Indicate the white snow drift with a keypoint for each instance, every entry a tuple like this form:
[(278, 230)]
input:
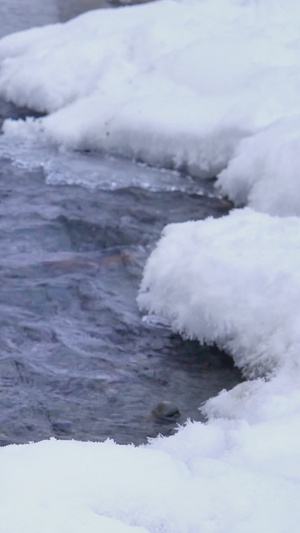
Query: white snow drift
[(200, 85), (235, 282)]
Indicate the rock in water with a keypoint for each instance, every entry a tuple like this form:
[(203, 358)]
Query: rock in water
[(166, 411)]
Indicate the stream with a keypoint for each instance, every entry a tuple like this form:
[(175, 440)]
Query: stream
[(77, 358)]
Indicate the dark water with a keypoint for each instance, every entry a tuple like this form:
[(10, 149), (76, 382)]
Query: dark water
[(76, 358), (16, 15)]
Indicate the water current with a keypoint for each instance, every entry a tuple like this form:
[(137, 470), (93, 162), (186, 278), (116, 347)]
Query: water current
[(77, 358)]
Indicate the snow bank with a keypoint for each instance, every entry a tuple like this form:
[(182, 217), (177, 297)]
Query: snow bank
[(191, 85), (233, 281), (264, 172), (222, 477)]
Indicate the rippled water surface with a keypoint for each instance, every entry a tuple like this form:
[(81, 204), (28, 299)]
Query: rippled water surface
[(77, 360)]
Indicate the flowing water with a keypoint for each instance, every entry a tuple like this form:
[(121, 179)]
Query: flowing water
[(77, 358)]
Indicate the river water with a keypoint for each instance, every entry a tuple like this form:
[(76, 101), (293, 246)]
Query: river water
[(77, 359)]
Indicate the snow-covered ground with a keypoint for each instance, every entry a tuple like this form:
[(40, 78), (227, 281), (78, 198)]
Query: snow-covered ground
[(211, 86)]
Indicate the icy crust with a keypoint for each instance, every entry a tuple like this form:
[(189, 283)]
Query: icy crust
[(199, 86), (233, 281)]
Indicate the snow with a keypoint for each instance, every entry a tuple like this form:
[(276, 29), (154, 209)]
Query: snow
[(234, 282), (210, 87), (194, 85), (218, 477), (264, 172)]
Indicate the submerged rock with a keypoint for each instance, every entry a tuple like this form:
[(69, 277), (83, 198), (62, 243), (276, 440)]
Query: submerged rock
[(166, 411)]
